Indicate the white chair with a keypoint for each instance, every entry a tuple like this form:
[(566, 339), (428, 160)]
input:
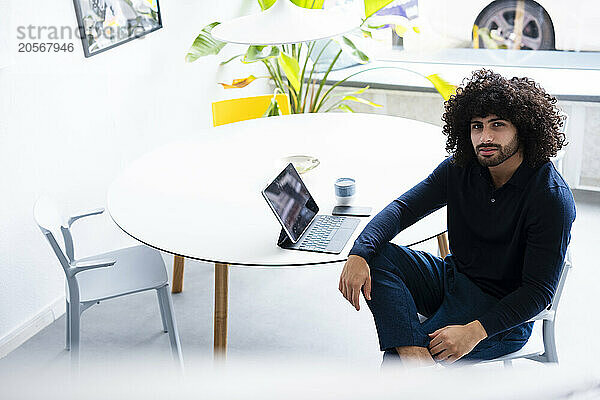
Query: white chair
[(559, 158), (104, 276), (558, 161), (547, 316)]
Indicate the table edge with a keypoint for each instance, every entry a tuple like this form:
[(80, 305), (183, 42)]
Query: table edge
[(251, 264)]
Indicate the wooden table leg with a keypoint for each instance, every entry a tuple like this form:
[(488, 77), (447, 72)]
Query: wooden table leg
[(221, 302), (178, 262), (443, 244)]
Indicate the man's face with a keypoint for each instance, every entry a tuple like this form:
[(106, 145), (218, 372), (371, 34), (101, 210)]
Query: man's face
[(494, 140)]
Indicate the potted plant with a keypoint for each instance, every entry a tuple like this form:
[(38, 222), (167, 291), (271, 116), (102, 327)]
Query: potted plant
[(292, 67)]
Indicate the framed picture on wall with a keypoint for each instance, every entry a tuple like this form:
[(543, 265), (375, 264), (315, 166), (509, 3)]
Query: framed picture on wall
[(104, 24)]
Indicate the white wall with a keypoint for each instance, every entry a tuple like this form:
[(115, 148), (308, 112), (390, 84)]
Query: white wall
[(68, 125), (4, 29)]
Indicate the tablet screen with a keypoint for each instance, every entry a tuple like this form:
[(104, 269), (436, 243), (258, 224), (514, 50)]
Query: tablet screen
[(291, 202)]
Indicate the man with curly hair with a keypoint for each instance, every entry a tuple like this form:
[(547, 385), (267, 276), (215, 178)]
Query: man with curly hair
[(509, 221)]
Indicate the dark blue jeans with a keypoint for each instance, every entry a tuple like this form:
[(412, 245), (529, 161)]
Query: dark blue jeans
[(405, 282)]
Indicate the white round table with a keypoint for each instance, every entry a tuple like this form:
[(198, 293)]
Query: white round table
[(200, 198)]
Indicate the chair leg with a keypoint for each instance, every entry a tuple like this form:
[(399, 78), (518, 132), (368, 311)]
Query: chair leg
[(68, 327), (75, 317), (508, 363), (163, 292), (443, 246), (161, 306), (178, 264), (550, 353)]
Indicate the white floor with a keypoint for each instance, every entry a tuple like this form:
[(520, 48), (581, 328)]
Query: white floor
[(293, 314)]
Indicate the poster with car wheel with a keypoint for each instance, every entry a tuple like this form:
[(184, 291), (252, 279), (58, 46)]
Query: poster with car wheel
[(104, 24)]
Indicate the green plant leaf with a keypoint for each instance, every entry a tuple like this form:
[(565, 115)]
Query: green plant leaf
[(475, 36), (264, 4), (430, 77), (443, 87), (372, 6), (260, 53), (350, 47), (231, 59), (488, 41), (399, 23), (341, 96), (361, 100), (204, 44), (345, 108), (314, 4), (358, 91), (291, 68), (273, 109), (319, 101), (400, 30)]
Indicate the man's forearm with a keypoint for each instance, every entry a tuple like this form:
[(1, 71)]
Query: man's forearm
[(381, 229), (424, 198)]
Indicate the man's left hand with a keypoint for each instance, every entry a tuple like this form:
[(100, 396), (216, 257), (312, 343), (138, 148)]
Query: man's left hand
[(452, 342)]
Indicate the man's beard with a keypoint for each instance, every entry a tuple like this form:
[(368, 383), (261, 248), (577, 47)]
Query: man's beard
[(502, 153)]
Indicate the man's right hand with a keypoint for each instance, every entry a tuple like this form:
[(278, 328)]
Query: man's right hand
[(355, 275)]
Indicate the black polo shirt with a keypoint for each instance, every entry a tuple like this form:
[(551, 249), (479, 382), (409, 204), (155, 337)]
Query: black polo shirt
[(510, 241)]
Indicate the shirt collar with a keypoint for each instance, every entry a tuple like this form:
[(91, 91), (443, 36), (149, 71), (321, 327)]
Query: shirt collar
[(519, 178)]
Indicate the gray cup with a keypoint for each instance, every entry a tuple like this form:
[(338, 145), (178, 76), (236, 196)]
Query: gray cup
[(345, 188)]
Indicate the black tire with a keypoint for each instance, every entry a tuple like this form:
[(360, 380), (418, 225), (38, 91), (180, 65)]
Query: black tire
[(538, 31)]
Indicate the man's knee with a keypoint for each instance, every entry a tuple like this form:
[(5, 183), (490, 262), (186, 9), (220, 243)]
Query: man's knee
[(386, 257)]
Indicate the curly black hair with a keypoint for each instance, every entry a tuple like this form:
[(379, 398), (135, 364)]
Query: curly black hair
[(519, 100)]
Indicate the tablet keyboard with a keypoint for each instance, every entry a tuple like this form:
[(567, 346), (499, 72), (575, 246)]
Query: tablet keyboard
[(321, 232)]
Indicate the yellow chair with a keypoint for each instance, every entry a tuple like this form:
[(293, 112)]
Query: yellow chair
[(234, 110), (226, 112)]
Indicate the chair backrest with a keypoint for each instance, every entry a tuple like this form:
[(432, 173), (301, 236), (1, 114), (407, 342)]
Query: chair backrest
[(558, 160), (55, 229), (567, 265), (234, 110)]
